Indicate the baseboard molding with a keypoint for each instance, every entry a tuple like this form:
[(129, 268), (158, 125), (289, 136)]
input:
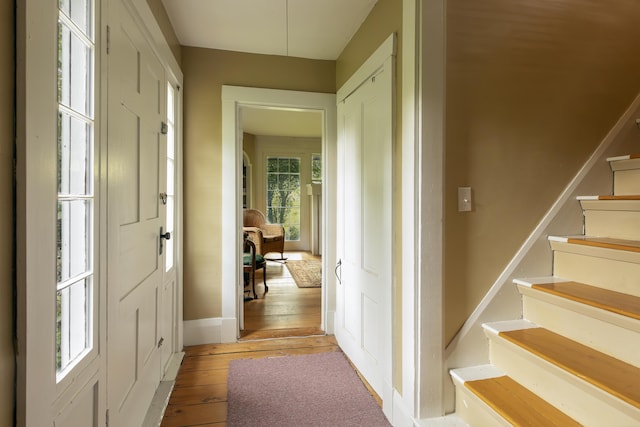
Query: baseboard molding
[(330, 319), (215, 330), (401, 414)]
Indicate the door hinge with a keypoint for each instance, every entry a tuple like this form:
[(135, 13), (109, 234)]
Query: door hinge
[(106, 421), (108, 39), (164, 128)]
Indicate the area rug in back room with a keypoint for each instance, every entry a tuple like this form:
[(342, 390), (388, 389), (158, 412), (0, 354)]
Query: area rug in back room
[(307, 273), (307, 390)]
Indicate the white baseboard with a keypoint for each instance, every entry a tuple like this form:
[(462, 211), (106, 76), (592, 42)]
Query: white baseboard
[(329, 327), (214, 330), (401, 414)]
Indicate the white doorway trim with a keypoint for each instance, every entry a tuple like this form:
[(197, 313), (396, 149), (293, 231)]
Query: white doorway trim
[(233, 99)]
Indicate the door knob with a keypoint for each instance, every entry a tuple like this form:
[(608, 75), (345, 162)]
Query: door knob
[(163, 236)]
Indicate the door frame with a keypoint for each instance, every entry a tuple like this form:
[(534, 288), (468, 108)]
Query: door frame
[(233, 99)]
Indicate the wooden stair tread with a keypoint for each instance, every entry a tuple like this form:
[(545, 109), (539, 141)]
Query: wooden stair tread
[(625, 157), (516, 404), (606, 242), (612, 301), (627, 197), (614, 376)]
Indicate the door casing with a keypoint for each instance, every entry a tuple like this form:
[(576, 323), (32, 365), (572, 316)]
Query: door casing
[(233, 99)]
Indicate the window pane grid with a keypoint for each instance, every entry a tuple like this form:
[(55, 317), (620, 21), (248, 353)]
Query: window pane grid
[(81, 22), (75, 142), (75, 68), (73, 319), (75, 175), (283, 194), (73, 280), (170, 206)]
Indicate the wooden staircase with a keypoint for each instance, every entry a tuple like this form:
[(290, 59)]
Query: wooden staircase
[(574, 358)]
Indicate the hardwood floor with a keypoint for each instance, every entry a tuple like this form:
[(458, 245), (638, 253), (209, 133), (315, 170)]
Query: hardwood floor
[(285, 310), (285, 321), (199, 397)]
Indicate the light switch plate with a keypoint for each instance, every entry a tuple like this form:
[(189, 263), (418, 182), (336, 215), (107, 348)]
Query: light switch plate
[(464, 199)]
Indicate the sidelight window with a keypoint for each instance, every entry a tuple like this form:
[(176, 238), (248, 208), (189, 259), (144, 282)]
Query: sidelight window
[(171, 167), (75, 204)]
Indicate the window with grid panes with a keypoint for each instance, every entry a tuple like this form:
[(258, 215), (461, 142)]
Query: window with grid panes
[(283, 194), (75, 205)]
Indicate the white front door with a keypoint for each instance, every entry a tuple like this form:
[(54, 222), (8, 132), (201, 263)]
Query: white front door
[(364, 238), (136, 161)]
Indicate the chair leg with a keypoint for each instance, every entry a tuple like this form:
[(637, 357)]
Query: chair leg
[(253, 282), (264, 276)]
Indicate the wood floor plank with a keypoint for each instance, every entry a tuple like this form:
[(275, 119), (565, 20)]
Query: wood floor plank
[(202, 378), (615, 302), (194, 415), (280, 333), (518, 405), (244, 346), (196, 394), (608, 373), (215, 362)]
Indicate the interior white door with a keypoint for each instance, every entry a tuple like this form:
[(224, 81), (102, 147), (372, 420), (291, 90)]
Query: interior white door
[(364, 240), (135, 158)]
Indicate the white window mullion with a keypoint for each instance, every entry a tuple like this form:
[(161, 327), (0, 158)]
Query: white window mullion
[(76, 98)]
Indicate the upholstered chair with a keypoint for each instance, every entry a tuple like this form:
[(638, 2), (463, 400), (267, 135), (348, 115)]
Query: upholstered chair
[(267, 237)]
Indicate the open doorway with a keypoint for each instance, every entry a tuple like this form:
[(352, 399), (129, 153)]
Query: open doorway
[(239, 102), (281, 201)]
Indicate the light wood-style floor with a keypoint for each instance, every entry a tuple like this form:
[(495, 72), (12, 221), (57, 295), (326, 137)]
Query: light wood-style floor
[(285, 310), (286, 321)]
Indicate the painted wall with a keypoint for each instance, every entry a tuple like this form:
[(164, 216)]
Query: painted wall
[(7, 113), (205, 71), (384, 19), (160, 13), (532, 88)]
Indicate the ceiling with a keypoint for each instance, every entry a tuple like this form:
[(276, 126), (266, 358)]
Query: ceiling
[(314, 29)]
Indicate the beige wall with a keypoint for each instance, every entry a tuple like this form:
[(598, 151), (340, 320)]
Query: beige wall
[(532, 88), (384, 19), (7, 85), (205, 71), (160, 13)]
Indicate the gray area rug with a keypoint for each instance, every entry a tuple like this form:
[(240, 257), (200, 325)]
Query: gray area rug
[(309, 390)]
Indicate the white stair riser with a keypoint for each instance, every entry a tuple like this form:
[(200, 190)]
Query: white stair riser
[(626, 177), (584, 327), (474, 411), (568, 393), (616, 224), (626, 183), (612, 274)]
